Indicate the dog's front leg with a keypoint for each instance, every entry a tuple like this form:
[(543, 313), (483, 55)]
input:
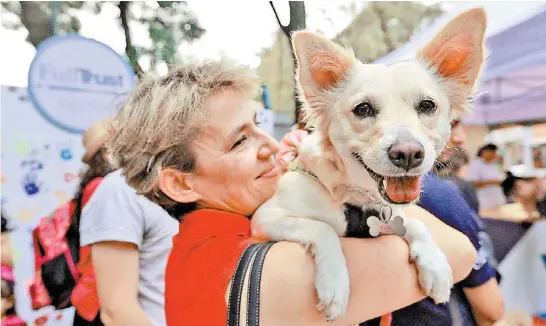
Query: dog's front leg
[(435, 275), (331, 274)]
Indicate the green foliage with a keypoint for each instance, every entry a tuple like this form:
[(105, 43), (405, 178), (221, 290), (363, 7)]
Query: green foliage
[(169, 24), (373, 29)]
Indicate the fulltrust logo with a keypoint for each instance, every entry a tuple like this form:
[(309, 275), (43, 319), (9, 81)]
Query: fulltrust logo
[(76, 77)]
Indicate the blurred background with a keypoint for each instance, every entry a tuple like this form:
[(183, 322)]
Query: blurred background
[(44, 111)]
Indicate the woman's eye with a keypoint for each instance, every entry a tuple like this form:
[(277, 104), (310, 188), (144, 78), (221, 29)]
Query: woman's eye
[(257, 123), (238, 142)]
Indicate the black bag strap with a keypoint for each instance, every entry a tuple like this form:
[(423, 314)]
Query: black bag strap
[(259, 251), (253, 303), (234, 303)]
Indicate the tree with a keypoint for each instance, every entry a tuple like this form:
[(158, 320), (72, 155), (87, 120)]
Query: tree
[(371, 31), (297, 22), (169, 24)]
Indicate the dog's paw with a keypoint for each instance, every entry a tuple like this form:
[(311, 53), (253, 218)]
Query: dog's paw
[(332, 283), (435, 275)]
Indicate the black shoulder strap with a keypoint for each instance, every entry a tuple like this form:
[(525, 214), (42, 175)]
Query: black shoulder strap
[(253, 303), (234, 303), (259, 251)]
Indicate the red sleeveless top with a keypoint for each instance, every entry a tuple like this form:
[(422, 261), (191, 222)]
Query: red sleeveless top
[(202, 261)]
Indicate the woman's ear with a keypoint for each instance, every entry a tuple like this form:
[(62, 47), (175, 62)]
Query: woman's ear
[(178, 185)]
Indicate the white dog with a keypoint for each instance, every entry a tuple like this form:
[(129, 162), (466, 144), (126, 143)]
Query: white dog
[(379, 129)]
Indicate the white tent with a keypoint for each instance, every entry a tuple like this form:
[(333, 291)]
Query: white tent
[(513, 83)]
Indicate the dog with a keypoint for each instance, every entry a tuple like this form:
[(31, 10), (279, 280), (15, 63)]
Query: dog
[(378, 130)]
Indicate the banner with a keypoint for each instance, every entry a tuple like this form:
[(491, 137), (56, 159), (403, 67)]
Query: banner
[(40, 165), (523, 272)]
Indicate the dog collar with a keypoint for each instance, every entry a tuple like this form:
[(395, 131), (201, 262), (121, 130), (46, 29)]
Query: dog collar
[(296, 167)]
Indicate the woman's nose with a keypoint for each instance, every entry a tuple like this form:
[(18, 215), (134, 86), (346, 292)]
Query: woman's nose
[(269, 147)]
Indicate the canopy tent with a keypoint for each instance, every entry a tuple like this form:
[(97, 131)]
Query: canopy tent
[(513, 83)]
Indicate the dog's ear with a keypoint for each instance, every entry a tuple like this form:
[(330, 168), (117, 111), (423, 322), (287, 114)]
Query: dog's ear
[(456, 53), (321, 64)]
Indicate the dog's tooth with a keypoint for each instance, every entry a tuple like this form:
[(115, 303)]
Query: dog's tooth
[(385, 183)]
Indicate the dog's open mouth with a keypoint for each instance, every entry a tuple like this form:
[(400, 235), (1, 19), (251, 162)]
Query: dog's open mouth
[(394, 189)]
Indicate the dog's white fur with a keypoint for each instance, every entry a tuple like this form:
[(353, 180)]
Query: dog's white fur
[(332, 82)]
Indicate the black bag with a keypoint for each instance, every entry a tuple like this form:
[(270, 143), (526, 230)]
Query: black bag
[(253, 257)]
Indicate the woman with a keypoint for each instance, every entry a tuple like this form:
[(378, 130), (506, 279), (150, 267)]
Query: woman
[(189, 142)]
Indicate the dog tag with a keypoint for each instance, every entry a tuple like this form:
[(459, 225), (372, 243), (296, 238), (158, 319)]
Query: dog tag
[(386, 224)]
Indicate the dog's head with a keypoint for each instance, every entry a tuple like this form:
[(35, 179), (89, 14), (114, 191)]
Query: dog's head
[(390, 121)]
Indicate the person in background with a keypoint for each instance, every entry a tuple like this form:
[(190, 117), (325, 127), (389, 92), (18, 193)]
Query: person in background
[(522, 186), (454, 170), (541, 205), (538, 160), (84, 296), (130, 239), (9, 315), (486, 177)]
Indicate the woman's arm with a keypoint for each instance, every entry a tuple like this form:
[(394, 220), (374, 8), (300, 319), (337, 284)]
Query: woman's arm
[(481, 184), (382, 278), (116, 270), (486, 302)]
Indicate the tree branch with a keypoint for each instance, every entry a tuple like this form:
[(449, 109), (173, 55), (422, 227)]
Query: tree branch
[(123, 7), (384, 28), (283, 28), (35, 21)]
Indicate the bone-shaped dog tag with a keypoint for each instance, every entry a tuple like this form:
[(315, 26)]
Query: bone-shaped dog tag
[(388, 226)]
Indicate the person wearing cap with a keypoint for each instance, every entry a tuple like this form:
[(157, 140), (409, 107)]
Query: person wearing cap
[(521, 187), (486, 177), (130, 239)]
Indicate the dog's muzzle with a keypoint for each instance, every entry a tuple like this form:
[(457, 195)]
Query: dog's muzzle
[(393, 189)]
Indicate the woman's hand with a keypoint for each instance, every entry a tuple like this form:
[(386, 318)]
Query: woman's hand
[(289, 148)]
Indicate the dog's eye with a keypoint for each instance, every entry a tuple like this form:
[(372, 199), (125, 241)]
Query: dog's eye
[(364, 110), (426, 107)]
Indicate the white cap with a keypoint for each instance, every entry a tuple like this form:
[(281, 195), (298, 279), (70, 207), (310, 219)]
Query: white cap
[(524, 171)]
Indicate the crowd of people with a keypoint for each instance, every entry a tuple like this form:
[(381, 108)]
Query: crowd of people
[(161, 218)]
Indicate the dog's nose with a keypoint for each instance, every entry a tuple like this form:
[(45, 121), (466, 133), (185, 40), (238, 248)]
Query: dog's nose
[(407, 155)]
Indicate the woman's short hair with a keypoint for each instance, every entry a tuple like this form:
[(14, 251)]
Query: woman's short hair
[(155, 127)]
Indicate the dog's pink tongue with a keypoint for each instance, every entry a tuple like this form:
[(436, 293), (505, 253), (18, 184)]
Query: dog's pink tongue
[(403, 190)]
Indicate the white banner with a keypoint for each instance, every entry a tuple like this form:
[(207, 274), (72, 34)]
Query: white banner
[(523, 272), (40, 165)]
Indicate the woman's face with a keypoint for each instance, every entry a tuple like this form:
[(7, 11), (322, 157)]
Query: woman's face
[(526, 188), (235, 168)]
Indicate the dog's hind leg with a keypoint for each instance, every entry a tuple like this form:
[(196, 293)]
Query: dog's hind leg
[(435, 275), (331, 274)]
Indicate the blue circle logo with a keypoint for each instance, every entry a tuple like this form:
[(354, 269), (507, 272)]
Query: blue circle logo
[(74, 81)]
